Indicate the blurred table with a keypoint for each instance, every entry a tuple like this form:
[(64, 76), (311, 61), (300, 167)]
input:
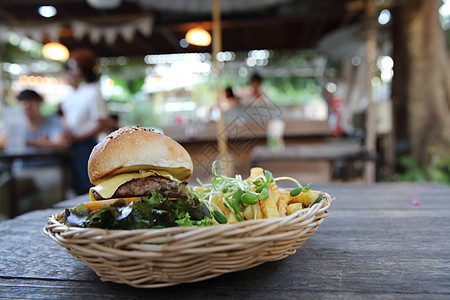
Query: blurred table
[(329, 152), (7, 161), (375, 243)]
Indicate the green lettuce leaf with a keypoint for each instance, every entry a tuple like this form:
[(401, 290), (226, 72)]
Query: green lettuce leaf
[(150, 212)]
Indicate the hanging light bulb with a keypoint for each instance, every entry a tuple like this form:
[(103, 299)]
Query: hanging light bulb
[(47, 11), (55, 51), (198, 37)]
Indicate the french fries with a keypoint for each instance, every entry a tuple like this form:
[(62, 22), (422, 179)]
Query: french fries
[(307, 198), (231, 218), (217, 200), (269, 206), (279, 198), (261, 198), (292, 208)]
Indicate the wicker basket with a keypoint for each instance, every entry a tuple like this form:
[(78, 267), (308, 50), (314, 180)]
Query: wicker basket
[(151, 258)]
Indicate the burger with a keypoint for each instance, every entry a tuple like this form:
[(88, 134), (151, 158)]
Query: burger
[(139, 178), (136, 161)]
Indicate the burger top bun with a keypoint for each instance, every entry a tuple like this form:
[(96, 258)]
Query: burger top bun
[(130, 149)]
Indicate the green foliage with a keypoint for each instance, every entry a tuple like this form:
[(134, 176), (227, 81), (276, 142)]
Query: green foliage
[(140, 112), (205, 92), (282, 81), (438, 170), (293, 90), (48, 109), (283, 90), (129, 87)]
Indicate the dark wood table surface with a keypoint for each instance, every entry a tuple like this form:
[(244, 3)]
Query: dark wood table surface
[(375, 244)]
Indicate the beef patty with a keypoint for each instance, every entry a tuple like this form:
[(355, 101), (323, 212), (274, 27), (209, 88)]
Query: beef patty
[(144, 187)]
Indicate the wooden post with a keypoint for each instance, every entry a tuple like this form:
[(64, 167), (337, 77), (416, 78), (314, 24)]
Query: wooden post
[(2, 82), (370, 132), (225, 163)]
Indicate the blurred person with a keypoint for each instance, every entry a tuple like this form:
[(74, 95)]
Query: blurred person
[(85, 114), (232, 99), (254, 93), (43, 132), (232, 106), (39, 180)]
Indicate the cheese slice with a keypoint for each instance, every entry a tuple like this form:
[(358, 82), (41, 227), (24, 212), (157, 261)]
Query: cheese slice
[(108, 187)]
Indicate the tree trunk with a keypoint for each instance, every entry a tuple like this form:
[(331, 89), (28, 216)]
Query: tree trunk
[(427, 85), (399, 92)]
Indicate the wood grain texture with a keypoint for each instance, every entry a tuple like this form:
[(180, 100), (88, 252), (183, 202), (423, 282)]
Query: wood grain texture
[(375, 243)]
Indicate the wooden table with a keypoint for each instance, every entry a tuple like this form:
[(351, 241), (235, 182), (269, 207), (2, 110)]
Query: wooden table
[(375, 244)]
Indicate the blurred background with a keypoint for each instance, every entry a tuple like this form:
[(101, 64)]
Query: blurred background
[(353, 90)]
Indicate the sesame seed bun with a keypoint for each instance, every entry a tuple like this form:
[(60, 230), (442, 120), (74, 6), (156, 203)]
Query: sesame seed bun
[(130, 149)]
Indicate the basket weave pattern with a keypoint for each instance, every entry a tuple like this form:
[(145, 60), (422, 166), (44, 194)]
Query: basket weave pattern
[(162, 257)]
